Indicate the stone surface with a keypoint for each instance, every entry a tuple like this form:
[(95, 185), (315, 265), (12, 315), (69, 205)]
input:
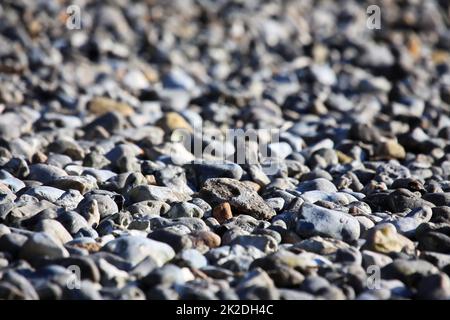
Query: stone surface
[(134, 249), (224, 150), (42, 246), (222, 212)]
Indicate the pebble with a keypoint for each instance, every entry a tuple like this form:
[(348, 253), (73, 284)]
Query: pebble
[(10, 181), (106, 205), (55, 229), (101, 105), (80, 183), (193, 259), (319, 184), (202, 171), (119, 151), (384, 238), (407, 225), (391, 150), (263, 243), (317, 220), (371, 258), (134, 249), (434, 287), (149, 208), (240, 197), (45, 173), (147, 192), (184, 209), (410, 272), (208, 238), (319, 245), (42, 246), (172, 121), (222, 212)]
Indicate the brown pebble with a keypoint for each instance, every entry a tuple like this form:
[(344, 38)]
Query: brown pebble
[(90, 246), (208, 238), (151, 179), (222, 212), (172, 121)]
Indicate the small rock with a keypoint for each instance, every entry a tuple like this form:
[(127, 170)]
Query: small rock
[(207, 238), (263, 243), (371, 258), (80, 183), (172, 121), (241, 198), (42, 246), (55, 229), (45, 173), (329, 223), (102, 105), (384, 238), (391, 149), (222, 212), (184, 209), (193, 259), (204, 170), (106, 205), (178, 242), (410, 272), (134, 249), (434, 287), (147, 192), (319, 184)]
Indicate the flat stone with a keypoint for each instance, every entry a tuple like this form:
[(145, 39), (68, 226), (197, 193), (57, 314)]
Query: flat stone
[(319, 184), (148, 192), (204, 170), (10, 181), (371, 258), (106, 205), (263, 243), (184, 209), (222, 212), (42, 246), (391, 149), (329, 223), (384, 238), (410, 272), (434, 287), (55, 229), (45, 193), (321, 245), (45, 173), (81, 183), (134, 249), (241, 198)]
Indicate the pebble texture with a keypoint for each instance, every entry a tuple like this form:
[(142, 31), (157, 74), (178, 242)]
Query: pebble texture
[(101, 127)]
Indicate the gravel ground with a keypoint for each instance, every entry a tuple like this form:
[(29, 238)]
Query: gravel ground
[(100, 199)]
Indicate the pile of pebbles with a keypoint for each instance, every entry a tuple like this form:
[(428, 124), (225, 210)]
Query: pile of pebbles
[(98, 201)]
